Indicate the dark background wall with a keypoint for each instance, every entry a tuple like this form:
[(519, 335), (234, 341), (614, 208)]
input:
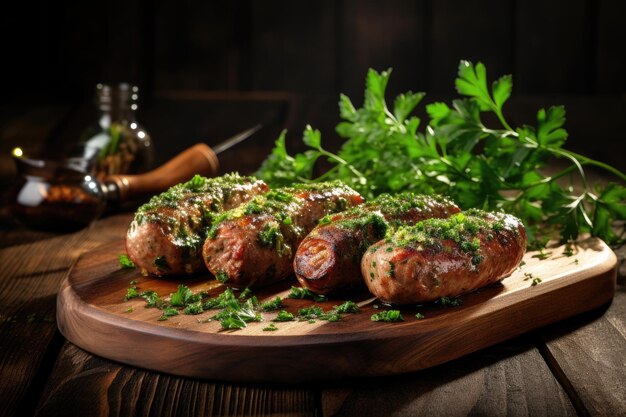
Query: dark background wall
[(559, 52)]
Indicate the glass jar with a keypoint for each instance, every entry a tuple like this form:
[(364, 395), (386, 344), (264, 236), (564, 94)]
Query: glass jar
[(55, 194), (117, 143)]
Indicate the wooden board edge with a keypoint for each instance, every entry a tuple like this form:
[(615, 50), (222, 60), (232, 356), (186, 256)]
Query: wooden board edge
[(183, 355)]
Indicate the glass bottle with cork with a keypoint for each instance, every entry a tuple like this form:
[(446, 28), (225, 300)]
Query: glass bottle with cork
[(117, 143)]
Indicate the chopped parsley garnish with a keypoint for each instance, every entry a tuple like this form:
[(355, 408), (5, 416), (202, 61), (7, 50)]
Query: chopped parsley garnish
[(222, 277), (125, 262), (168, 312), (272, 305), (419, 316), (271, 328), (131, 292), (129, 310), (349, 307), (284, 316), (305, 293), (449, 302), (388, 316), (194, 308), (181, 297), (542, 255), (536, 281)]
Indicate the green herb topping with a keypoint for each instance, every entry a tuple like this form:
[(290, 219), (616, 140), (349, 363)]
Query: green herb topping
[(388, 316), (125, 262)]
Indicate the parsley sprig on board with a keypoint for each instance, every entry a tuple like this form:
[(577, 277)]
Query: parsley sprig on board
[(492, 167)]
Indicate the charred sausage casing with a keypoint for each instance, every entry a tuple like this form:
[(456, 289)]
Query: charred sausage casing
[(254, 245), (167, 233), (444, 257), (329, 258)]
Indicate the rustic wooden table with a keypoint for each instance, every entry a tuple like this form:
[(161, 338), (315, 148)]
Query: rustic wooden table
[(574, 367)]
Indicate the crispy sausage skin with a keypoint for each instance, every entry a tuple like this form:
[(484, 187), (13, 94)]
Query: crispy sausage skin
[(167, 233), (329, 258), (444, 257), (254, 245)]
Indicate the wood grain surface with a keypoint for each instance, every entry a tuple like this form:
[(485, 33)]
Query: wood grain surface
[(92, 313)]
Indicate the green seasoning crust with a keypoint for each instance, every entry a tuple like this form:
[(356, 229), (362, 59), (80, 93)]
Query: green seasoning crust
[(462, 228), (196, 202), (280, 206), (385, 213)]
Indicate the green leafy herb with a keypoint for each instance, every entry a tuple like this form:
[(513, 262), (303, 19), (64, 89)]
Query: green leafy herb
[(349, 307), (305, 293), (271, 328), (284, 316), (167, 313), (131, 292), (489, 165), (449, 302), (272, 305), (129, 310), (419, 316), (194, 308), (125, 262), (181, 297), (388, 316)]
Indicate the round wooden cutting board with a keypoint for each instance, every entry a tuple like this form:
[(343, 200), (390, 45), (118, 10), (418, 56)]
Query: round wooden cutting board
[(92, 313)]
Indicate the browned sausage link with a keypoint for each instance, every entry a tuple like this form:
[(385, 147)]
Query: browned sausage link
[(329, 258), (254, 245), (167, 233), (444, 257)]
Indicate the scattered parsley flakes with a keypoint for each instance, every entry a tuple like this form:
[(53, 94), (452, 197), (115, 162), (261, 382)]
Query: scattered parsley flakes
[(129, 310), (349, 307), (125, 262), (194, 308), (181, 297), (131, 292), (305, 293), (272, 305), (419, 316), (449, 302), (271, 328), (542, 255), (167, 313), (388, 316), (536, 281), (284, 316)]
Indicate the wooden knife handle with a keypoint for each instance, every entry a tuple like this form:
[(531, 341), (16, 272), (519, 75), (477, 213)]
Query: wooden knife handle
[(199, 159)]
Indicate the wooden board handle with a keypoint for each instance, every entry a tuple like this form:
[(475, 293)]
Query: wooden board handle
[(199, 159)]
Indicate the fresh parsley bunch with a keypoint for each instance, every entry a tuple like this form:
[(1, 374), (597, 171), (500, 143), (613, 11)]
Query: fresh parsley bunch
[(457, 154)]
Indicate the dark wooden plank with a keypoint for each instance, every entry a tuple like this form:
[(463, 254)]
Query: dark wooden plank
[(477, 31), (29, 280), (588, 352), (292, 46), (553, 46), (506, 379), (82, 384), (610, 41), (93, 314), (372, 35)]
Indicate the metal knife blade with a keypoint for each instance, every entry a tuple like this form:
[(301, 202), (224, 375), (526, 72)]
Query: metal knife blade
[(233, 140)]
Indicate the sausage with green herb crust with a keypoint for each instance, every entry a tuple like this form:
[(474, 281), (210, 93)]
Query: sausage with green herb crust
[(167, 233), (329, 258), (444, 257), (254, 245)]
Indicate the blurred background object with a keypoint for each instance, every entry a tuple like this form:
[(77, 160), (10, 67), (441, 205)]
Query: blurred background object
[(208, 69)]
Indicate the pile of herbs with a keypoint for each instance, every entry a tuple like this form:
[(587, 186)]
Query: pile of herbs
[(498, 167)]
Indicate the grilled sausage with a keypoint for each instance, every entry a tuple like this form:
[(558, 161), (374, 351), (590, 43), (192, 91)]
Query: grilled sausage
[(254, 245), (444, 257), (167, 233), (329, 258)]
